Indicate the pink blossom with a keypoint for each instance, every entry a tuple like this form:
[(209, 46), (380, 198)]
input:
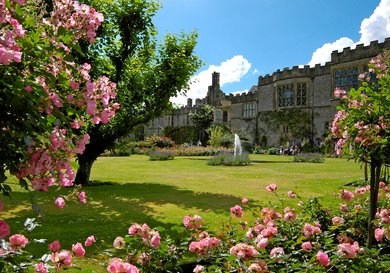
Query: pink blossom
[(198, 268), (192, 222), (322, 258), (55, 246), (289, 215), (28, 88), (133, 230), (41, 267), (243, 251), (309, 230), (17, 241), (60, 202), (155, 240), (379, 233), (90, 240), (245, 201), (119, 243), (236, 211), (118, 266), (78, 249), (346, 195), (291, 194), (276, 252), (64, 258), (337, 220), (4, 229), (306, 246), (262, 243), (346, 250), (258, 267), (82, 197), (271, 187)]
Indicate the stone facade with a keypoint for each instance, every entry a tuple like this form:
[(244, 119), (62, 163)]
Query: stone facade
[(308, 90)]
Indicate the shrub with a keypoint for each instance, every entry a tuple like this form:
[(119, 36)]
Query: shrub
[(160, 141), (160, 155), (181, 135), (273, 151), (227, 159), (309, 157)]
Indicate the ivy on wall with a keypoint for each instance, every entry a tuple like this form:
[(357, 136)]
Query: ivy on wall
[(297, 120)]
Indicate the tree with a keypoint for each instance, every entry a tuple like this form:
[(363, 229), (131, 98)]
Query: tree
[(362, 125), (147, 74), (203, 118)]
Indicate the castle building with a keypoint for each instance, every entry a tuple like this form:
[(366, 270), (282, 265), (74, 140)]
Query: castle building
[(288, 106)]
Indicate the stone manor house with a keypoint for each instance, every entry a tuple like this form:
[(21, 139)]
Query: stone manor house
[(283, 104)]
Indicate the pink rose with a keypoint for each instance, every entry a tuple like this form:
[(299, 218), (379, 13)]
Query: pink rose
[(64, 258), (41, 267), (60, 202), (28, 88), (54, 246), (82, 197), (192, 222), (17, 241), (291, 194), (245, 201), (119, 243), (306, 246), (276, 252), (236, 211), (198, 268), (155, 241), (133, 230), (337, 220), (78, 249), (263, 242), (90, 240), (379, 232), (322, 258), (4, 229), (271, 187), (346, 250)]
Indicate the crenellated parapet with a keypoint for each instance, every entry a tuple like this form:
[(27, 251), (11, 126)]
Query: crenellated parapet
[(244, 97), (360, 52), (294, 72)]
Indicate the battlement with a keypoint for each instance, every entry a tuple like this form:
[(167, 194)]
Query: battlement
[(294, 72), (243, 97), (360, 51)]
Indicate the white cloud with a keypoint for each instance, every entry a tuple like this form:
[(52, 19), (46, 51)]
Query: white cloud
[(231, 70), (322, 54), (376, 27), (240, 92)]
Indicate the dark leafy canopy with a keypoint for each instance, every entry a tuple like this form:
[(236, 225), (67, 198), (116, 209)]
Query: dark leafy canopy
[(148, 74)]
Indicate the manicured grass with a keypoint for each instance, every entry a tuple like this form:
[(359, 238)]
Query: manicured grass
[(134, 189)]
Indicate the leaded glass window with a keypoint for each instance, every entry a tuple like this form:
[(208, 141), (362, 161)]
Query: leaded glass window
[(249, 110), (286, 95), (347, 78), (301, 94)]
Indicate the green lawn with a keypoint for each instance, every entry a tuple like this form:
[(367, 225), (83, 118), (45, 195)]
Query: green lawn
[(160, 193)]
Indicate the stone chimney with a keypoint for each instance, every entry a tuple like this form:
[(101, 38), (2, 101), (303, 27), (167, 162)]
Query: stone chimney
[(215, 81), (189, 103)]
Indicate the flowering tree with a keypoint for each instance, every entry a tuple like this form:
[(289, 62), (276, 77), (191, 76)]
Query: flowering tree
[(362, 125), (48, 98), (147, 74)]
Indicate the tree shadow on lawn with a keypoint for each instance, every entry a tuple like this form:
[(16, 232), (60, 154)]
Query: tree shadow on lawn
[(112, 208)]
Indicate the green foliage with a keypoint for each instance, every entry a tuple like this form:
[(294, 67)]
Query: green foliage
[(202, 117), (309, 157), (228, 159), (148, 73), (220, 136), (158, 155), (160, 141), (181, 135)]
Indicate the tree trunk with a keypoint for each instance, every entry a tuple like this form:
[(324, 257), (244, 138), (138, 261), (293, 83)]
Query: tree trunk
[(374, 188), (365, 171), (84, 170)]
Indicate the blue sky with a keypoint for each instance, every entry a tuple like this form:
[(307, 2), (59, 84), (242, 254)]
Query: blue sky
[(243, 39)]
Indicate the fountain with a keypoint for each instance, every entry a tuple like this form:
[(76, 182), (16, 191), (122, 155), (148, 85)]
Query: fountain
[(237, 146)]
